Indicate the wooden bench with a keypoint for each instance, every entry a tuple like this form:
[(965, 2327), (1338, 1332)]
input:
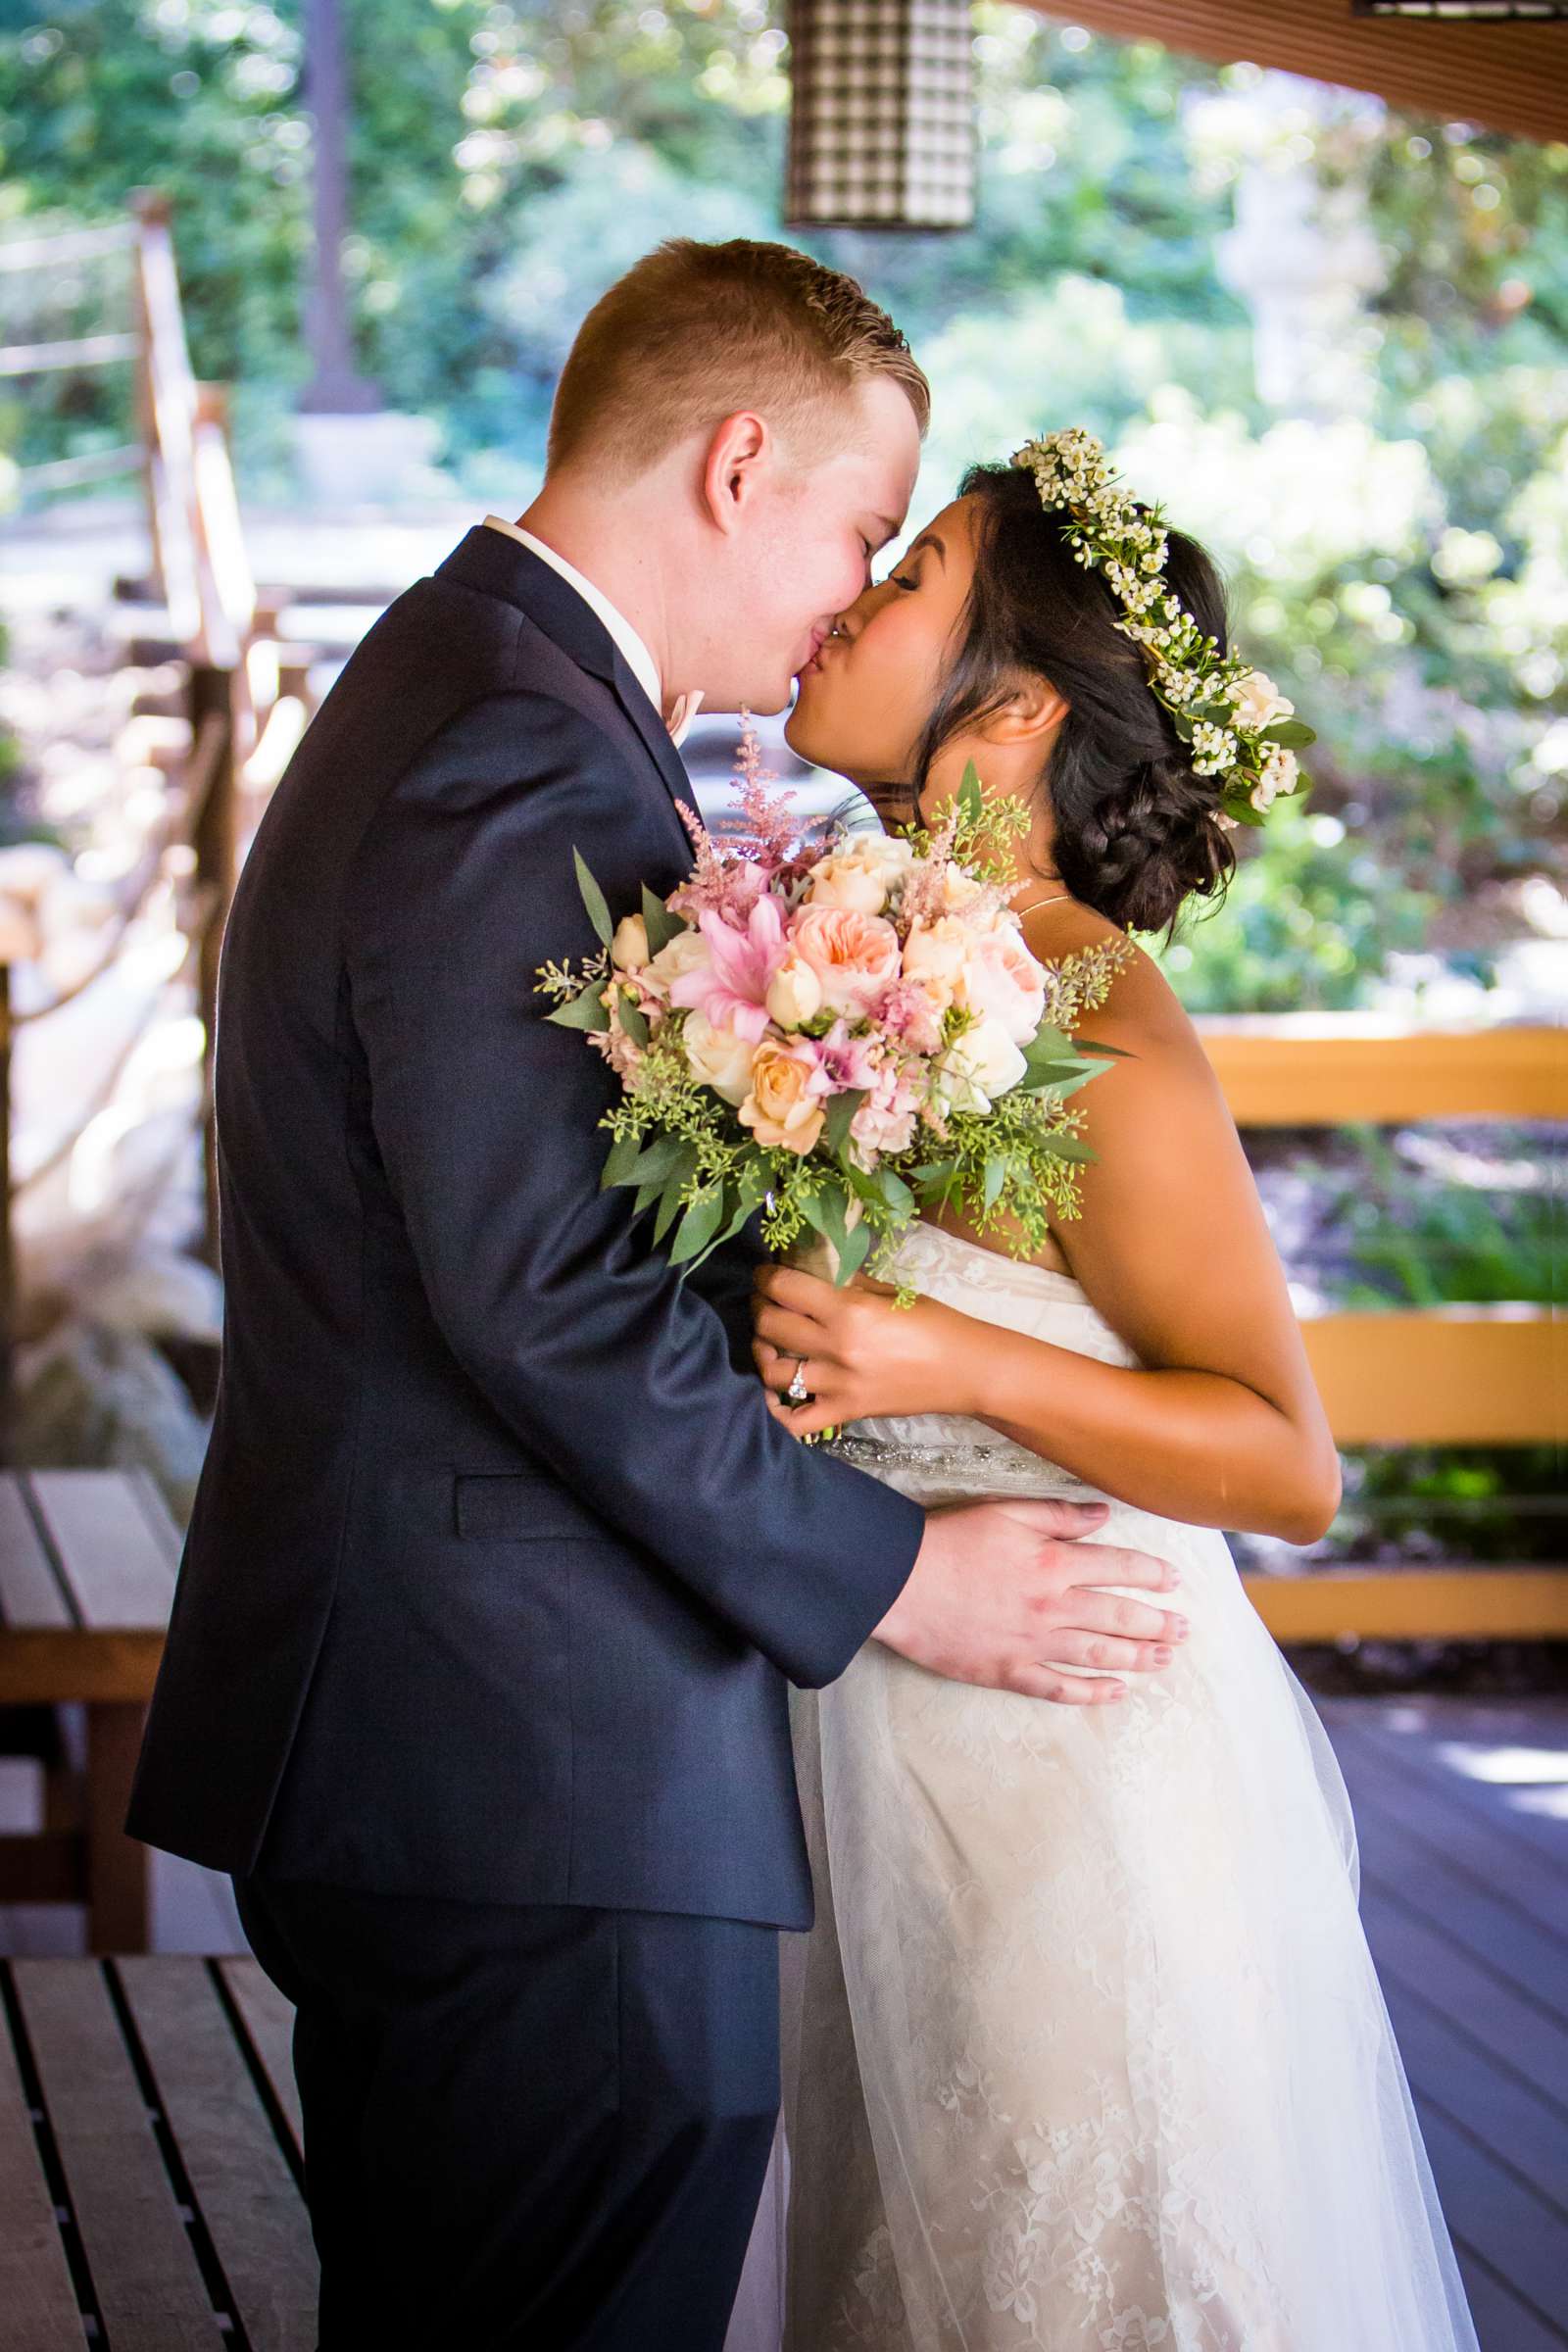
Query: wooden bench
[(150, 2160), (87, 1566)]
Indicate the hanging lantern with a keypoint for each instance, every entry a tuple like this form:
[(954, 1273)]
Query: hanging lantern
[(1466, 12), (882, 123)]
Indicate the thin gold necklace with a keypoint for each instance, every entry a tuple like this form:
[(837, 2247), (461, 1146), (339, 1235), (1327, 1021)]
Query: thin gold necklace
[(1052, 901)]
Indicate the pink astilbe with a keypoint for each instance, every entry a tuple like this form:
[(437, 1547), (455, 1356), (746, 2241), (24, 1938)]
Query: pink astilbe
[(732, 987), (707, 884), (769, 831)]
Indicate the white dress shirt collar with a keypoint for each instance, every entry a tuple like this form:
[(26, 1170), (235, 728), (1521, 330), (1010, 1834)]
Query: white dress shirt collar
[(640, 661)]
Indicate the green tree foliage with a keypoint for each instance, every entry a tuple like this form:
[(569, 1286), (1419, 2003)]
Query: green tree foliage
[(1401, 567)]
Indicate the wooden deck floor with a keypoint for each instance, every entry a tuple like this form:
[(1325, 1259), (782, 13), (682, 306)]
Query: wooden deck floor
[(1463, 1810)]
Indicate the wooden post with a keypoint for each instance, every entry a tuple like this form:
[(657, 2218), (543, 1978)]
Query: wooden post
[(213, 838), (8, 1262)]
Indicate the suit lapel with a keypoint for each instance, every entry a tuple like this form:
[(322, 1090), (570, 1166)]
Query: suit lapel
[(498, 566)]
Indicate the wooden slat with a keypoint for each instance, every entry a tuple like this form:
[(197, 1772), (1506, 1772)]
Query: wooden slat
[(1507, 76), (1468, 1848), (1507, 2114), (1414, 1604), (1523, 1841), (37, 2301), (30, 1593), (144, 2272), (1459, 1376), (53, 1668), (243, 2186), (1503, 2322), (120, 1577), (1533, 1960), (1498, 2214), (1323, 1070), (269, 2021)]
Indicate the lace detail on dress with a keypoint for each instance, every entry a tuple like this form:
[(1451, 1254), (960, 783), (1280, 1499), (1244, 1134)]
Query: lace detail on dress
[(1091, 2050)]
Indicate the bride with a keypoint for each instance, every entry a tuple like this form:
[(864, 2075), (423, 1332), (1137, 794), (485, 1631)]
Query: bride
[(1086, 2048)]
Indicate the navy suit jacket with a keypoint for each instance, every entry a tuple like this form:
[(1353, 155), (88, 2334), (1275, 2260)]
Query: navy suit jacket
[(498, 1567)]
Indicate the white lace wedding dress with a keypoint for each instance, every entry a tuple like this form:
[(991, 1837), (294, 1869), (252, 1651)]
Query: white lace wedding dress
[(1086, 2048)]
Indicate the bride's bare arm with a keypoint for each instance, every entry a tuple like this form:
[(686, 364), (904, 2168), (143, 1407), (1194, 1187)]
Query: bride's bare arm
[(1219, 1423)]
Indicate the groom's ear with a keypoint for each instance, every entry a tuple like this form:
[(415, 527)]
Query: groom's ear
[(1034, 709), (737, 454)]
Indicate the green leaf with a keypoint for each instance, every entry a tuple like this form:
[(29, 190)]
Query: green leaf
[(697, 1225), (1066, 1147), (593, 898), (995, 1177), (894, 1192), (971, 796), (1092, 1044), (621, 1163), (1293, 733), (841, 1109), (668, 1207), (655, 1160), (585, 1011), (647, 1194), (828, 1210), (660, 924), (633, 1019)]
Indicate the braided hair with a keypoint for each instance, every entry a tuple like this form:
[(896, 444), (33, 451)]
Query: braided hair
[(1137, 831)]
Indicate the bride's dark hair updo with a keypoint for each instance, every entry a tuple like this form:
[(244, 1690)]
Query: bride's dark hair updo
[(1137, 831)]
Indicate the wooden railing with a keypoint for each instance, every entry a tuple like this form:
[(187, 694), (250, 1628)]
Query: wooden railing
[(202, 577), (1441, 1376)]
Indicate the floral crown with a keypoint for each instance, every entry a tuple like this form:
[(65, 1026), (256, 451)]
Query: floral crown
[(1241, 727)]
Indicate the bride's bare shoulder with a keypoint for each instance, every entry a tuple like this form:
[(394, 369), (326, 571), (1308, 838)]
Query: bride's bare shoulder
[(1107, 985)]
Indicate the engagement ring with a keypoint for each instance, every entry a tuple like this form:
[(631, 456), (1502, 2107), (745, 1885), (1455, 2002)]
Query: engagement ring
[(798, 1392)]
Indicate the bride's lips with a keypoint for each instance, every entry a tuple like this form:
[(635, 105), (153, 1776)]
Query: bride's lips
[(813, 663)]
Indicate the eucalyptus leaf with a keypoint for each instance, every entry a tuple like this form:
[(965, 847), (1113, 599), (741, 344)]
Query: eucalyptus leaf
[(660, 924), (585, 1010), (621, 1162), (840, 1110), (593, 898), (634, 1020), (1067, 1147), (697, 1225), (995, 1178)]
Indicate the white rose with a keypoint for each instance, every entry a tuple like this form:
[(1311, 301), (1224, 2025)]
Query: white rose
[(796, 992), (717, 1057), (1260, 701), (959, 890), (978, 1065), (629, 949), (861, 875), (687, 951)]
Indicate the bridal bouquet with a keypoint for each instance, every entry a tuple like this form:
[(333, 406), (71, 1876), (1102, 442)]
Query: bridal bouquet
[(837, 1036)]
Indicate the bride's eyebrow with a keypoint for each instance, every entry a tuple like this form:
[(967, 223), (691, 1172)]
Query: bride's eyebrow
[(930, 539)]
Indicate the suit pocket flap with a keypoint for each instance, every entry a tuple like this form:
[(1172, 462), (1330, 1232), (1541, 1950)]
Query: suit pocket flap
[(518, 1504)]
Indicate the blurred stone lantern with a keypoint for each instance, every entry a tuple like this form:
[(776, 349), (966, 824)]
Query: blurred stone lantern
[(882, 121)]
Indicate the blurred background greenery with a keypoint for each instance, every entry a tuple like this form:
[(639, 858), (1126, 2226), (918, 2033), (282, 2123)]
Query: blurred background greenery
[(1332, 337), (1392, 515)]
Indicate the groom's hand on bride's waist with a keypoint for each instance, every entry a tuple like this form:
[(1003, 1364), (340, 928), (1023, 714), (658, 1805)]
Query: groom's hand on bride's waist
[(1012, 1594)]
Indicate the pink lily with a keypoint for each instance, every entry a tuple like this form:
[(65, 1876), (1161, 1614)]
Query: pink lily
[(731, 988)]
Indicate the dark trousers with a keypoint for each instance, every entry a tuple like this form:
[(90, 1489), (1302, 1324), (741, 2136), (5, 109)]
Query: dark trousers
[(531, 2127)]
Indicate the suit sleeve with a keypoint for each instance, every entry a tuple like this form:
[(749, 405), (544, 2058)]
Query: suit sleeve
[(486, 1116)]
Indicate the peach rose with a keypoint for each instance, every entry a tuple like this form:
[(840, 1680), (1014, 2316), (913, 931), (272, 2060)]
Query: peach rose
[(1001, 981), (629, 949), (934, 955), (784, 1106), (855, 957)]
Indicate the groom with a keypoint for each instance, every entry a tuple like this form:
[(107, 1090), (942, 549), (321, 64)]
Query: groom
[(499, 1568)]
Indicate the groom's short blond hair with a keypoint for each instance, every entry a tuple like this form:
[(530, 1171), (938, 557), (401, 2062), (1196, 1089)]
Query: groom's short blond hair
[(694, 333)]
